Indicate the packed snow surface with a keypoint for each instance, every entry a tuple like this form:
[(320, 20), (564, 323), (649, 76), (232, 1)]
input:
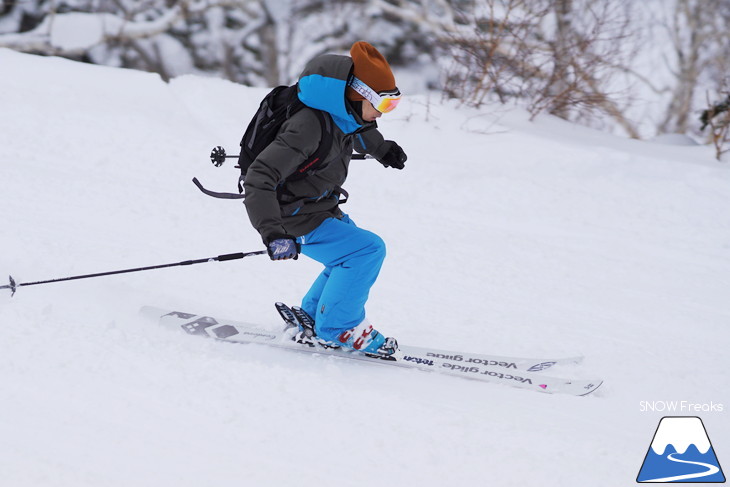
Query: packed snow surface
[(505, 236)]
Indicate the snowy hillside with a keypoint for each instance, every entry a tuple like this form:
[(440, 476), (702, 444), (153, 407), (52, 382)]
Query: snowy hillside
[(503, 236)]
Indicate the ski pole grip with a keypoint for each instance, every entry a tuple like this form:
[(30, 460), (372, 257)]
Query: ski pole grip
[(225, 257)]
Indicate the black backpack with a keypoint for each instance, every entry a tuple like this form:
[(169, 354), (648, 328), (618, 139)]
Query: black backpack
[(281, 103)]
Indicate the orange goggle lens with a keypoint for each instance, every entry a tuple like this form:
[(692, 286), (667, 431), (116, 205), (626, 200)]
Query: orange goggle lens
[(387, 104), (383, 102)]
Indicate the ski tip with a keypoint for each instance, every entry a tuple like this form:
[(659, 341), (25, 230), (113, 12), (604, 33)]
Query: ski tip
[(592, 386), (571, 387)]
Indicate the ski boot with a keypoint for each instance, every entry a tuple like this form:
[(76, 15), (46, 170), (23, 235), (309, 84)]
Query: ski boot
[(389, 349), (365, 339)]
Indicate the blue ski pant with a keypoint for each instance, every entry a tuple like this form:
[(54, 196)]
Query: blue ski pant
[(352, 258)]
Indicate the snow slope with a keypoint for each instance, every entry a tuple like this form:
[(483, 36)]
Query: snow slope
[(504, 236)]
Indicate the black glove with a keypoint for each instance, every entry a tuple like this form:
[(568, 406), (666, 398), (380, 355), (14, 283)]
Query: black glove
[(394, 156), (283, 247)]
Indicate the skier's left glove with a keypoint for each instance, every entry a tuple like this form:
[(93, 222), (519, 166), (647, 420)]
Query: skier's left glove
[(394, 156), (283, 247)]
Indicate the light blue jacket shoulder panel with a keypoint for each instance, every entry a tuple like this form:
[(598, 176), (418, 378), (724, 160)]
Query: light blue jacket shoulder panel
[(322, 86)]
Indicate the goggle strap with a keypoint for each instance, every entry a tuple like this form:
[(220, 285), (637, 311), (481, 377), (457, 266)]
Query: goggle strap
[(364, 90), (368, 93)]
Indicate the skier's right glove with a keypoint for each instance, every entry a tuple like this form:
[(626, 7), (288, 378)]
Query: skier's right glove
[(394, 156), (283, 248)]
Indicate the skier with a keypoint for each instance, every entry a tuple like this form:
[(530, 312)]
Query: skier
[(353, 92)]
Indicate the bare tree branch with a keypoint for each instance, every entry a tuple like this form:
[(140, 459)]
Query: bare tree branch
[(44, 38)]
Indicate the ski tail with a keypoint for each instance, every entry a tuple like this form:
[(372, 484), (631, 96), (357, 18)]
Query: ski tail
[(287, 314), (305, 320)]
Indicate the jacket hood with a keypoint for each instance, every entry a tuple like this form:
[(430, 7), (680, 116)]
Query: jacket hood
[(322, 86)]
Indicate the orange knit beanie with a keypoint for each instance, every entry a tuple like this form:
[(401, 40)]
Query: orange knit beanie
[(371, 68)]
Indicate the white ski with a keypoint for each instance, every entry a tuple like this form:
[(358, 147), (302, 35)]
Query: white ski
[(512, 371)]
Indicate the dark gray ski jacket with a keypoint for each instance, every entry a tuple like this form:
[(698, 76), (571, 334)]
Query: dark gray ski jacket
[(311, 200)]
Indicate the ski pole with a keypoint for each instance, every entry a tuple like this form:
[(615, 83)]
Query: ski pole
[(218, 156), (13, 286)]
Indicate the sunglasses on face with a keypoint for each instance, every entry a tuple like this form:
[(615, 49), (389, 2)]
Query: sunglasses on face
[(384, 101)]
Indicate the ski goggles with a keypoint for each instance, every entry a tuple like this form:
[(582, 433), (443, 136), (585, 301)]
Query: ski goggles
[(384, 101)]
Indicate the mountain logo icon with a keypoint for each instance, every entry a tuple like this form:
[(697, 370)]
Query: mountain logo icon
[(681, 452)]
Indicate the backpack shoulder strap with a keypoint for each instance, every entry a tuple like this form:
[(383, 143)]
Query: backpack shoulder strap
[(325, 145)]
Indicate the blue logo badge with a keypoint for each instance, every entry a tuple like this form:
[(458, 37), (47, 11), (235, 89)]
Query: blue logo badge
[(681, 452)]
